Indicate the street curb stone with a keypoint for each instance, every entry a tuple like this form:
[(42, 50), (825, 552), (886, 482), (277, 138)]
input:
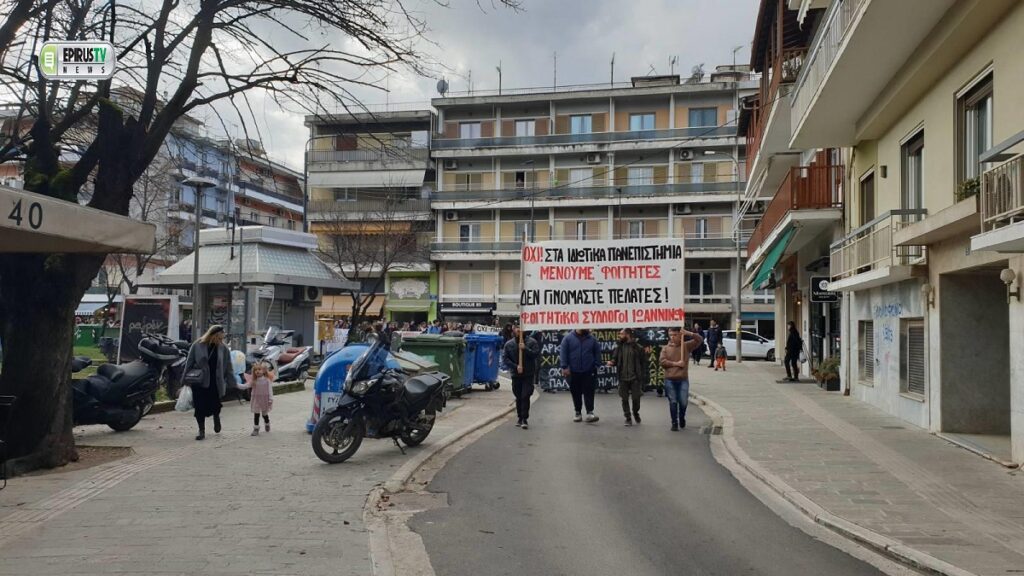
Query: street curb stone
[(886, 546)]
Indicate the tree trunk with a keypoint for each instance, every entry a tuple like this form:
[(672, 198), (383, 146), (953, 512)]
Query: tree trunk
[(38, 297)]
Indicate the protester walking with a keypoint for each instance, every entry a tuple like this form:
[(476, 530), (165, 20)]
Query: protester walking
[(677, 379), (794, 344), (579, 356), (714, 338), (628, 358), (211, 357), (522, 373), (698, 352), (261, 398)]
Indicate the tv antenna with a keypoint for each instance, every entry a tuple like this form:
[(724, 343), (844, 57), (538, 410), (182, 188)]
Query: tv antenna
[(672, 61)]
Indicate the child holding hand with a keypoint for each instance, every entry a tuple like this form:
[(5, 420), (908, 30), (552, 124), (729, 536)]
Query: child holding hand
[(261, 396), (720, 357)]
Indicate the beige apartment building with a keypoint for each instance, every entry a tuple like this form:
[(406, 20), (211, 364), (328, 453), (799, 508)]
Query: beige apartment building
[(930, 262), (653, 158)]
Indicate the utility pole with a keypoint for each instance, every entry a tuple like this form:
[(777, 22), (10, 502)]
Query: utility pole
[(739, 203)]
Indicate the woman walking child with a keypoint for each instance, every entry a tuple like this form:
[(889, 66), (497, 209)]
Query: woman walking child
[(262, 396)]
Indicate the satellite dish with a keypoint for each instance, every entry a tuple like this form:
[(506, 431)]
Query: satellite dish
[(442, 86)]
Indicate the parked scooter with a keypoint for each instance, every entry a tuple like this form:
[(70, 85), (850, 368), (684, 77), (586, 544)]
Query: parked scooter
[(289, 363), (378, 402), (119, 396)]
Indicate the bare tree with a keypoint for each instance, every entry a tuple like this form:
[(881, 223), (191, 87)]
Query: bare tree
[(369, 238), (173, 58), (154, 197)]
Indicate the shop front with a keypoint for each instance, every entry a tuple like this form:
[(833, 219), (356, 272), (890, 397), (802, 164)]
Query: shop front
[(411, 297), (468, 311)]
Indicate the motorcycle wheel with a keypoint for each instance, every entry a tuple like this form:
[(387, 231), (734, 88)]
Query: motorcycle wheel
[(425, 423), (336, 438), (128, 423)]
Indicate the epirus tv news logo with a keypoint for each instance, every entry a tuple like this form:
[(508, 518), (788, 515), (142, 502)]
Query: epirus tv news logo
[(78, 60)]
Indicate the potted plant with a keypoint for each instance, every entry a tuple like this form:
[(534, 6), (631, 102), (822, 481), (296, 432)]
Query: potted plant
[(968, 188), (827, 374)]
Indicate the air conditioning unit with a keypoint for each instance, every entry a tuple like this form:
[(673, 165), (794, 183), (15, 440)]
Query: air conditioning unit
[(683, 209), (451, 216), (312, 294), (451, 164), (686, 154), (594, 158)]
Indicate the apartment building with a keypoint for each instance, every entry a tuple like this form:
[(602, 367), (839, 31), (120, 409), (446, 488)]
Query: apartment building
[(370, 177), (652, 158), (929, 265)]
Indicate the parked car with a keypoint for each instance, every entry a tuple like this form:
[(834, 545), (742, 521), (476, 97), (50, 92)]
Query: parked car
[(754, 346)]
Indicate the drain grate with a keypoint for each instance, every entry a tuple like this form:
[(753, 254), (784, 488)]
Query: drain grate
[(711, 430)]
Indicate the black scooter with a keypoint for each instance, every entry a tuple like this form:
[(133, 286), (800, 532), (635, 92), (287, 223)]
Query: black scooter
[(119, 396), (379, 403)]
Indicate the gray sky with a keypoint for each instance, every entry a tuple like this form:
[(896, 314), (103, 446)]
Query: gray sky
[(584, 33)]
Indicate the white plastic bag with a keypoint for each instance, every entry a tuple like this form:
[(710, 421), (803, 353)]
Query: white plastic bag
[(803, 357), (184, 403)]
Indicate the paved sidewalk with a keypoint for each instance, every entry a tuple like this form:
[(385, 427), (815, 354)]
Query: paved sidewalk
[(232, 504), (873, 470)]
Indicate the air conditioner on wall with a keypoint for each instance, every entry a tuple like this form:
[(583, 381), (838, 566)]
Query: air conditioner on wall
[(683, 209), (451, 216), (451, 164), (312, 294), (686, 154), (594, 158)]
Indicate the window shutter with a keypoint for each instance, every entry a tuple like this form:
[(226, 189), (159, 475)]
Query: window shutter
[(487, 129), (451, 129), (599, 121), (683, 172), (541, 129), (508, 128), (915, 359), (561, 124), (867, 359), (660, 174)]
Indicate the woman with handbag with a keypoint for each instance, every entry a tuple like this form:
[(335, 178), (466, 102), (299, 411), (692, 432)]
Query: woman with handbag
[(207, 372)]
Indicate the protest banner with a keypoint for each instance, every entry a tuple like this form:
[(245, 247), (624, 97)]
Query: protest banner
[(606, 284)]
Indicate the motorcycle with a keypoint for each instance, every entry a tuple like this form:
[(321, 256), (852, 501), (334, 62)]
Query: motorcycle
[(119, 396), (289, 363), (378, 402)]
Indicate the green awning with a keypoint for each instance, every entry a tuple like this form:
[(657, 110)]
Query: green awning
[(396, 305), (770, 260)]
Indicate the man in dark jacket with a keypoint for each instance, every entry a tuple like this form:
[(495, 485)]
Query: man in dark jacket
[(714, 338), (579, 356), (522, 373), (628, 357)]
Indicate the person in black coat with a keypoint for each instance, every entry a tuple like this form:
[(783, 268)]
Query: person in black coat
[(714, 338), (522, 374), (794, 344)]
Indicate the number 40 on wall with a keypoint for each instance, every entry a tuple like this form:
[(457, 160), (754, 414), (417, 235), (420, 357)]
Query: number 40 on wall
[(33, 216)]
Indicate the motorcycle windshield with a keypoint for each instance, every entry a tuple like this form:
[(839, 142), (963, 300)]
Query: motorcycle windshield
[(370, 362), (271, 335)]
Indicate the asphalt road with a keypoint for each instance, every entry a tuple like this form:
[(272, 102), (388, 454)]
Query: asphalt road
[(597, 499)]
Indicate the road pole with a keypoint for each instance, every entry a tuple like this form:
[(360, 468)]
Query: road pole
[(196, 312)]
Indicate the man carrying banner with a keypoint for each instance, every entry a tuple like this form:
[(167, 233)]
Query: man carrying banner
[(579, 357), (628, 358), (520, 356), (675, 360)]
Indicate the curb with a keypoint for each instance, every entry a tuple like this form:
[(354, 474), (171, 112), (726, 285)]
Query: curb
[(282, 388), (884, 545)]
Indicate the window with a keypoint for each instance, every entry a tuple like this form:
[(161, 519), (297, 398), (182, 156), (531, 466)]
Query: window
[(520, 180), (272, 221), (291, 224), (469, 232), (344, 195), (866, 350), (222, 206), (580, 177), (748, 337), (974, 125), (702, 227), (581, 230), (580, 124), (703, 117), (701, 283), (641, 175), (526, 127), (867, 199), (912, 371), (469, 130), (697, 172), (254, 216), (636, 229), (912, 193), (471, 283), (524, 230), (641, 122)]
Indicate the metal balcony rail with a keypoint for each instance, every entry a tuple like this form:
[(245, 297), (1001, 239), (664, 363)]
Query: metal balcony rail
[(275, 193), (693, 242), (508, 246), (870, 247), (383, 155), (465, 192), (1002, 194), (803, 188), (785, 69), (825, 48), (441, 143), (329, 208)]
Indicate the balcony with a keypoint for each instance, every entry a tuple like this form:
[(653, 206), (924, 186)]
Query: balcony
[(810, 199), (370, 209), (1002, 208), (389, 158), (508, 248), (867, 257), (471, 193), (441, 143), (771, 116), (269, 195)]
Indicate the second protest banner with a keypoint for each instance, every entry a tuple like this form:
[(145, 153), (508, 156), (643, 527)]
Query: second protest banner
[(635, 283)]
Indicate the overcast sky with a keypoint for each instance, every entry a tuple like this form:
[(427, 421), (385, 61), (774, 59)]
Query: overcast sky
[(584, 33)]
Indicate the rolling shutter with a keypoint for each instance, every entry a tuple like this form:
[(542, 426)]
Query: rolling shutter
[(913, 373), (867, 351)]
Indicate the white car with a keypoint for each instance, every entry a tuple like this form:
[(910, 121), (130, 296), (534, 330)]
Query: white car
[(754, 346)]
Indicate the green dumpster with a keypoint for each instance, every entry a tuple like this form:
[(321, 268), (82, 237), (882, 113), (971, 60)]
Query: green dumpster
[(413, 363), (448, 352)]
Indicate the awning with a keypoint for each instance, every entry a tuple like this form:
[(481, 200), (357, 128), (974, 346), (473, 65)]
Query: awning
[(506, 309), (758, 316), (760, 278), (261, 264), (341, 305), (397, 305), (368, 179), (32, 222), (89, 308)]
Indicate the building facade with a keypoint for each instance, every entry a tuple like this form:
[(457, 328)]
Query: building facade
[(653, 158)]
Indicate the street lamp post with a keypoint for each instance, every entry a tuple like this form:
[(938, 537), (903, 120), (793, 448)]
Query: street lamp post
[(738, 301), (199, 183)]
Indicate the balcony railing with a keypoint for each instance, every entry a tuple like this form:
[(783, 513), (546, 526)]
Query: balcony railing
[(870, 247), (785, 69), (693, 242), (1002, 194), (566, 192), (256, 187), (441, 143), (508, 246), (804, 188), (824, 51), (383, 156), (333, 209)]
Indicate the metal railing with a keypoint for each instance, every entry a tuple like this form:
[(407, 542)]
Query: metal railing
[(825, 48), (330, 209), (785, 69), (382, 155), (692, 241), (439, 142), (569, 192), (257, 187), (803, 188), (508, 246), (870, 247), (1002, 194)]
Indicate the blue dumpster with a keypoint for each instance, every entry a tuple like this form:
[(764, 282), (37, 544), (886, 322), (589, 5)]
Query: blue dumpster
[(487, 358), (469, 363), (330, 380)]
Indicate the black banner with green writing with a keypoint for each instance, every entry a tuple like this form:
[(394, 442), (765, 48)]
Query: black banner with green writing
[(551, 378)]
